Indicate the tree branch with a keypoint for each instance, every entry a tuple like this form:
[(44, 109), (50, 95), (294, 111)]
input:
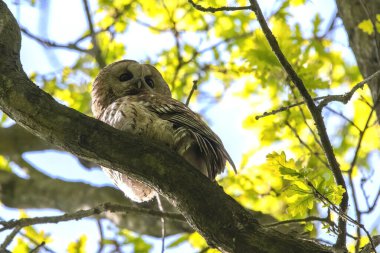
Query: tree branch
[(341, 214), (316, 114), (38, 245), (49, 193), (193, 88), (15, 140), (25, 222), (312, 152), (218, 218), (343, 98), (48, 43), (223, 8), (9, 238), (347, 96), (307, 219), (373, 206), (96, 48)]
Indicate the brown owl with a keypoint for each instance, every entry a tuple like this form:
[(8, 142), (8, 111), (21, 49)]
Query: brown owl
[(134, 97)]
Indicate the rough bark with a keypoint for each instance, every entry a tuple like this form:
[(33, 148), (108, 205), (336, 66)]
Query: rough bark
[(365, 47), (49, 193), (15, 141), (216, 216)]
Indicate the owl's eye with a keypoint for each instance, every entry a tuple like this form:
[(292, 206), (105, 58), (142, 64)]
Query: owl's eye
[(149, 81), (126, 76)]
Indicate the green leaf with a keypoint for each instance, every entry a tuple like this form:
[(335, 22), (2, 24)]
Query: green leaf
[(309, 226), (79, 246), (301, 205), (286, 167), (297, 2), (139, 245), (183, 238), (316, 24), (4, 164), (366, 26), (22, 246)]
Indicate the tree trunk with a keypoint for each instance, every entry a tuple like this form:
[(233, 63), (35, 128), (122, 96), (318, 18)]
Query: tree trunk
[(365, 47)]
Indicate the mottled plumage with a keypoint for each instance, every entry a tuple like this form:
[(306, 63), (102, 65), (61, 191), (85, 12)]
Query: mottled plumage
[(134, 97)]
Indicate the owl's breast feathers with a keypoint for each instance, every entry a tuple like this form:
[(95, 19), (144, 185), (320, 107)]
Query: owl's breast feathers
[(171, 122)]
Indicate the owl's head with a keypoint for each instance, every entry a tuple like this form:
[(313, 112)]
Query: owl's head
[(125, 78)]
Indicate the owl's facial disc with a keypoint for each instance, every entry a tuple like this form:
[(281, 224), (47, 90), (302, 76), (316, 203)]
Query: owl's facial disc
[(133, 78)]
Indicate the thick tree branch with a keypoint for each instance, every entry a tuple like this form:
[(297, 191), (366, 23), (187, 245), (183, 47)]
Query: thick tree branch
[(15, 140), (49, 193), (216, 216)]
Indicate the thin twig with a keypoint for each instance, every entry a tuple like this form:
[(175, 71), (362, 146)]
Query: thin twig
[(344, 98), (9, 238), (96, 48), (350, 174), (305, 144), (357, 212), (101, 234), (360, 140), (331, 25), (363, 180), (216, 9), (370, 209), (316, 139), (307, 219), (341, 214), (48, 43), (36, 242), (152, 27), (344, 117), (42, 244), (193, 88), (217, 44), (284, 108), (86, 213)]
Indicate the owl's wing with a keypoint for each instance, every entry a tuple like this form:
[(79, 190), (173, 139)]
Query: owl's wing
[(186, 121)]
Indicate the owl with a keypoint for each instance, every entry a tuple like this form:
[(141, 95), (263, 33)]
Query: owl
[(134, 97)]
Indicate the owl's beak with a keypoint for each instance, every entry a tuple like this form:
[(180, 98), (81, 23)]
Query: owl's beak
[(139, 84)]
